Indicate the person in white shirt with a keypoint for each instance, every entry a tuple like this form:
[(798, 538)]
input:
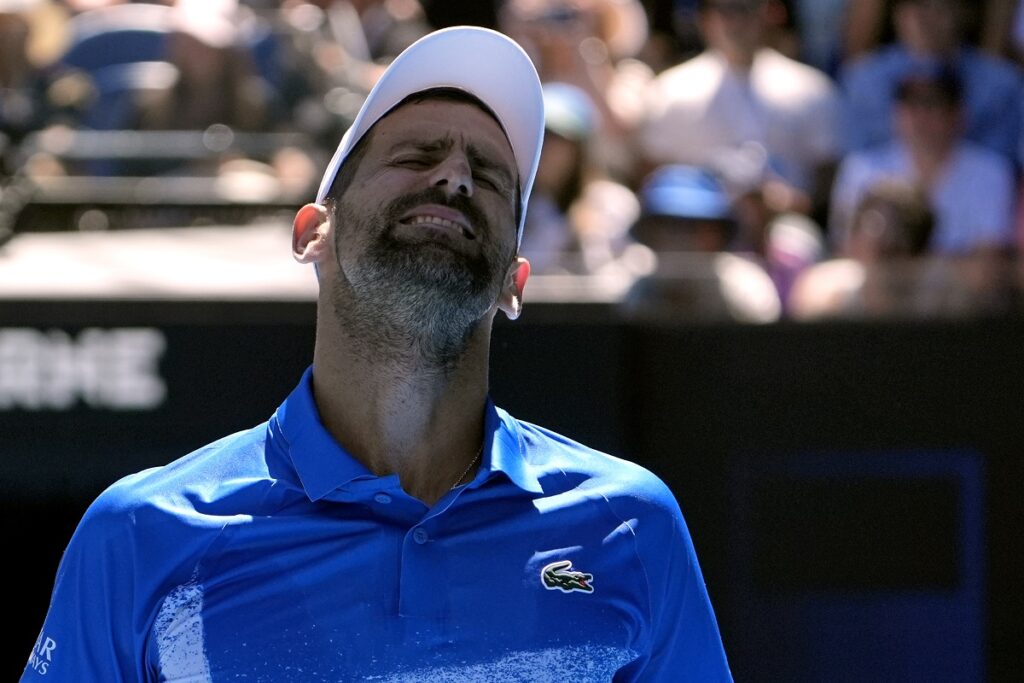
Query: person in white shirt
[(737, 93)]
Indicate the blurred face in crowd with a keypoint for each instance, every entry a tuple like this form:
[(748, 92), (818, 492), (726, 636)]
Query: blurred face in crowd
[(734, 27), (929, 27), (425, 230), (927, 118), (551, 32), (877, 234)]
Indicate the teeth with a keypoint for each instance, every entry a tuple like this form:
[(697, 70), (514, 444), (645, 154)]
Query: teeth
[(434, 220)]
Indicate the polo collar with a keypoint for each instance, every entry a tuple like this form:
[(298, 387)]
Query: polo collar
[(506, 451), (323, 465)]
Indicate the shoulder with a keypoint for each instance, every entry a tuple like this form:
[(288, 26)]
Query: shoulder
[(886, 156), (981, 159), (990, 72), (778, 70), (886, 62), (703, 63), (692, 80), (203, 484), (567, 468)]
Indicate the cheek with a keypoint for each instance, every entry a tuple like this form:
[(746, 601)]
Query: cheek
[(506, 231)]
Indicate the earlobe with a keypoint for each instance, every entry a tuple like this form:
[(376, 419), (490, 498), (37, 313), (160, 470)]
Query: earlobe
[(309, 233), (511, 300)]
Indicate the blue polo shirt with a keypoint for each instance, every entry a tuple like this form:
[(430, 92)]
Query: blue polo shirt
[(274, 555)]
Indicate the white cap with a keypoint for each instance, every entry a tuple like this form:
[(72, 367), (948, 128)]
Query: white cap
[(484, 63)]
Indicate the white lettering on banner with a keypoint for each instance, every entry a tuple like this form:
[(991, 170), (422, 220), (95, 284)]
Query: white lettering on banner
[(42, 654), (51, 370)]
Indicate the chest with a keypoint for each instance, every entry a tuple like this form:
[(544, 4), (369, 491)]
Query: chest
[(353, 593)]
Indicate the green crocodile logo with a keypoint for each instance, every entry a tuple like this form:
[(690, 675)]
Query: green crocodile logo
[(562, 577)]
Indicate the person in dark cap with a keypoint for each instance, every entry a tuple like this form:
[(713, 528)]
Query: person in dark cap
[(684, 209), (687, 221), (970, 188), (930, 34)]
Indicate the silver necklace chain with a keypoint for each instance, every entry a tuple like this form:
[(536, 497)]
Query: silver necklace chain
[(468, 467)]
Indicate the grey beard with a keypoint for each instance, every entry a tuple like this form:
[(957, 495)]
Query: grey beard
[(407, 303)]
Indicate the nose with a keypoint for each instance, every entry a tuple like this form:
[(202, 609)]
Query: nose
[(454, 175)]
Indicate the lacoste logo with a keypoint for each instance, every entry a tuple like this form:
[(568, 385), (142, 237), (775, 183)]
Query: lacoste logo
[(560, 576)]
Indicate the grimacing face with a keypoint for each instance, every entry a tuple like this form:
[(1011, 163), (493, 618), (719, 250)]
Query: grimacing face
[(428, 219)]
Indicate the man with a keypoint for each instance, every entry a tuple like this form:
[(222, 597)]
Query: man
[(970, 188), (389, 522), (930, 34), (740, 94)]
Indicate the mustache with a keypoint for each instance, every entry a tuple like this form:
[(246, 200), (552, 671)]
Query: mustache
[(435, 195)]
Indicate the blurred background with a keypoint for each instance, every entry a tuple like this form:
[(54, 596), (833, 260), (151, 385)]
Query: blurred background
[(776, 253)]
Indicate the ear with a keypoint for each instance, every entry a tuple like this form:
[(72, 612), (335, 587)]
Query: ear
[(309, 234), (511, 299)]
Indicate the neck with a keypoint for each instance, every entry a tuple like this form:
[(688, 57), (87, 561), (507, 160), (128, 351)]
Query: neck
[(929, 162), (932, 52), (398, 408), (738, 59)]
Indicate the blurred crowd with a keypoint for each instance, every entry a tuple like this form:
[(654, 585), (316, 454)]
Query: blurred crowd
[(737, 159)]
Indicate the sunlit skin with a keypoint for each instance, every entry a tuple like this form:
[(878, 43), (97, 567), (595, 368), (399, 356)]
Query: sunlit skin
[(390, 405)]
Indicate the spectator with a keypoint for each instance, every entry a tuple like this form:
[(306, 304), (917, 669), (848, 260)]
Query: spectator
[(577, 219), (887, 271), (738, 92), (216, 81), (893, 221), (685, 209), (784, 242), (970, 188), (891, 226), (687, 222), (590, 44), (330, 53), (23, 105), (357, 38), (930, 33)]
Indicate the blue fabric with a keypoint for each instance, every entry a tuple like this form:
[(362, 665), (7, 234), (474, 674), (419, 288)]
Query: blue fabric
[(274, 555), (991, 87)]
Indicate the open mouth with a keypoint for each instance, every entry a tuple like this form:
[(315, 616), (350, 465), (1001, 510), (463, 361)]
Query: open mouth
[(429, 220)]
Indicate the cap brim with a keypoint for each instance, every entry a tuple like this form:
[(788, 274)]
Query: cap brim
[(484, 63)]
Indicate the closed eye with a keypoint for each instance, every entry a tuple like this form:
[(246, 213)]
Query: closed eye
[(413, 162), (486, 181)]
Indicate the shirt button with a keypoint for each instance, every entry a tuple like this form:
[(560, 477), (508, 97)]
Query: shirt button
[(420, 535), (382, 498)]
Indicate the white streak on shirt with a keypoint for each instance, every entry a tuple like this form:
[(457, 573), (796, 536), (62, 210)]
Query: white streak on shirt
[(580, 664), (180, 637)]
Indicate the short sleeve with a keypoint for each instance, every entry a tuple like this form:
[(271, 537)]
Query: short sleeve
[(683, 641), (88, 636)]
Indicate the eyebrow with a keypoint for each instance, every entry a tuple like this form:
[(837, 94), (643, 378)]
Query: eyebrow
[(477, 156)]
